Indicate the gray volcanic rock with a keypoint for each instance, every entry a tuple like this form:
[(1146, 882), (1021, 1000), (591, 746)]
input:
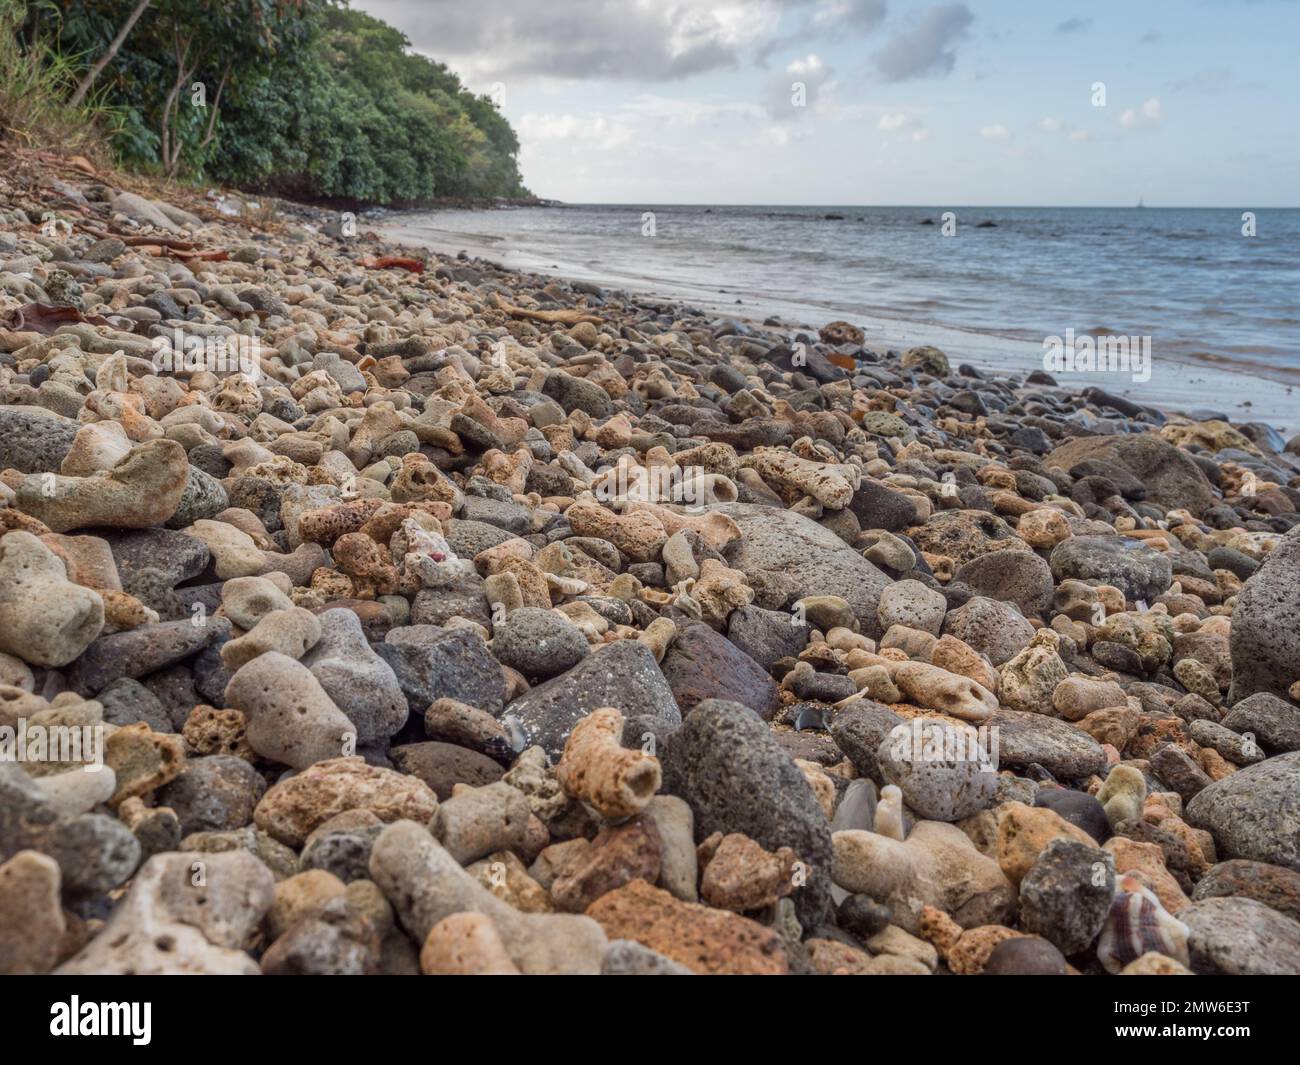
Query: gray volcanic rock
[(1171, 476), (767, 635), (624, 675), (786, 550), (727, 765), (858, 730), (1035, 739), (702, 664), (1241, 937), (33, 439), (538, 643), (1265, 640), (1132, 567), (1018, 577), (138, 652), (1255, 812), (1274, 722), (95, 852), (435, 663)]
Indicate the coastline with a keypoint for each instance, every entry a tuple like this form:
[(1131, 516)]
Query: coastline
[(467, 531), (1239, 389)]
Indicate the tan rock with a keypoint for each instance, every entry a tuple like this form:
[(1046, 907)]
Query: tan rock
[(142, 759), (32, 924), (292, 808), (597, 769), (1024, 833), (466, 944)]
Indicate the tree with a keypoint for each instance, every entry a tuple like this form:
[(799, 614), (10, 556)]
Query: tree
[(86, 82)]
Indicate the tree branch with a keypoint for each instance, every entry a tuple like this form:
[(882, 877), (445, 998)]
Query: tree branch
[(89, 79)]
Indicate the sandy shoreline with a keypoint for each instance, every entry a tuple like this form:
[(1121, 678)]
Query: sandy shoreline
[(1241, 391)]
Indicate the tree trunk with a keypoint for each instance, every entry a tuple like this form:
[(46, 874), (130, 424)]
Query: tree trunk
[(107, 57), (171, 148)]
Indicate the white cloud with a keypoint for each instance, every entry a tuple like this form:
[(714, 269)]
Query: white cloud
[(582, 39), (801, 88), (1148, 114), (1079, 135), (903, 122), (996, 132), (596, 130), (1052, 125)]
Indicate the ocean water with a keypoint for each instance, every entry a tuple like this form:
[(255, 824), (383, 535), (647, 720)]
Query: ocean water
[(1222, 309)]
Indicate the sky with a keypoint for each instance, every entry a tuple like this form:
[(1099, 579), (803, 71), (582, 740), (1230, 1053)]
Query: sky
[(861, 102)]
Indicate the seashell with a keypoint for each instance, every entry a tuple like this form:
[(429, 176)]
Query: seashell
[(811, 717), (1136, 925), (857, 806), (566, 585)]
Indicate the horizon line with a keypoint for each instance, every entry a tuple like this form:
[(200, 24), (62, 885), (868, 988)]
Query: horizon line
[(922, 206)]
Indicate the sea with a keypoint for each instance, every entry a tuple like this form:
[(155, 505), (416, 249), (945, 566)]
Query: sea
[(1214, 293)]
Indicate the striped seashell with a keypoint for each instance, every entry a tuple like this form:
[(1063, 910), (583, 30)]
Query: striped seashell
[(1137, 924)]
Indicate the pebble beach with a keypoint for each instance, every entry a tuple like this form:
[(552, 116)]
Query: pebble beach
[(368, 610)]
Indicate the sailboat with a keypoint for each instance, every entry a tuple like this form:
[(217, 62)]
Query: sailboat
[(1141, 204)]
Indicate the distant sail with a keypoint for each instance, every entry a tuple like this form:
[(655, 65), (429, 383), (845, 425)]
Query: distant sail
[(1140, 201)]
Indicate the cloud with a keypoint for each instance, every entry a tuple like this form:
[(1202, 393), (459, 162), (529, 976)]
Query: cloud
[(1149, 114), (800, 89), (1079, 135), (1074, 25), (823, 20), (903, 123), (996, 132), (1150, 37), (926, 47), (581, 39), (1052, 125), (596, 130)]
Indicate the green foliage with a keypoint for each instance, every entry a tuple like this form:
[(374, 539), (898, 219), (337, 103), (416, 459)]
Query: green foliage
[(36, 80), (304, 98)]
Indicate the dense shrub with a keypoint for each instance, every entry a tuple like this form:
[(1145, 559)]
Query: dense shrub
[(301, 97)]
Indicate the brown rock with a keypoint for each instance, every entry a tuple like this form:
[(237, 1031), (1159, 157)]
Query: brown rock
[(617, 856), (740, 875), (444, 765), (291, 809), (211, 731), (1024, 833), (705, 940), (1146, 862)]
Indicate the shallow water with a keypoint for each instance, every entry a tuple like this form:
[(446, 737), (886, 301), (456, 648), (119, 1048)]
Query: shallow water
[(1222, 309)]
